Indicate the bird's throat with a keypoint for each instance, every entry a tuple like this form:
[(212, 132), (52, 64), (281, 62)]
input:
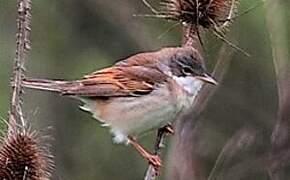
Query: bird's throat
[(189, 84)]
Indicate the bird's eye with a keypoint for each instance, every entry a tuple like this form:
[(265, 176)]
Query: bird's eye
[(186, 70)]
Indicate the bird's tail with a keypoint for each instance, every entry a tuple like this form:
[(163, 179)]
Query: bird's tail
[(47, 85)]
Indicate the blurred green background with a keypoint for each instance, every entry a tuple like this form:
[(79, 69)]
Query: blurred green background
[(76, 37)]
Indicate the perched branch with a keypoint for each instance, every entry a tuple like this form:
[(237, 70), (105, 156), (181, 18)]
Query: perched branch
[(152, 172), (23, 25)]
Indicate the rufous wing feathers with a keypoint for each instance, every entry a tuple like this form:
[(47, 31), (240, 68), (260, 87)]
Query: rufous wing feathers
[(110, 82)]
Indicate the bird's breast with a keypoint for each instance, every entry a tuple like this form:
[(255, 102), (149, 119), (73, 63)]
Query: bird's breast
[(137, 115)]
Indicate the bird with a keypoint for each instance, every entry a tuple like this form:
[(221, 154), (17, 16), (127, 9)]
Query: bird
[(139, 94)]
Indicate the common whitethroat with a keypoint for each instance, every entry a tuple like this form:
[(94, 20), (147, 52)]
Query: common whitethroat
[(144, 92)]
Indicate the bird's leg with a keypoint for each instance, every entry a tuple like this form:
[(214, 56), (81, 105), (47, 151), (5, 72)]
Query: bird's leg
[(151, 158), (161, 133), (168, 129)]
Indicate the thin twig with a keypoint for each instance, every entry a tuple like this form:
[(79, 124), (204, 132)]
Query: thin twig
[(219, 35), (150, 7), (152, 173), (23, 46), (191, 37)]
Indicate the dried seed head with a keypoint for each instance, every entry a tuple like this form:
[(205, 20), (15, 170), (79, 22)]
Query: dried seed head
[(21, 157), (205, 13)]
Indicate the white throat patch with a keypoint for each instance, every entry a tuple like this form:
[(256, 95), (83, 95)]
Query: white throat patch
[(190, 84)]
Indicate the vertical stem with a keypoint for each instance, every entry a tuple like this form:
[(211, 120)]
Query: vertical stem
[(151, 173), (277, 27), (22, 48), (191, 37)]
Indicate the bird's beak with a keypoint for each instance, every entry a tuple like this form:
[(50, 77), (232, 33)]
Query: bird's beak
[(208, 79)]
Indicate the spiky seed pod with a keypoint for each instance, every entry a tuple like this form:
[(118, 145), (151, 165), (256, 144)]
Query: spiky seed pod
[(205, 13), (21, 157)]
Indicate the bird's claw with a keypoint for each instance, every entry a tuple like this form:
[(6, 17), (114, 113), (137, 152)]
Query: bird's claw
[(155, 161), (168, 129)]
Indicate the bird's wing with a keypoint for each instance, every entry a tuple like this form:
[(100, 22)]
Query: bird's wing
[(117, 81)]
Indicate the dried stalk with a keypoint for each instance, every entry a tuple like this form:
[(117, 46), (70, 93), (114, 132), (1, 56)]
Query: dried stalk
[(152, 173), (23, 46), (21, 155), (191, 37), (276, 20)]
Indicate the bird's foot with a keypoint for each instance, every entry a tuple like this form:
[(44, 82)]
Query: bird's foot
[(154, 160)]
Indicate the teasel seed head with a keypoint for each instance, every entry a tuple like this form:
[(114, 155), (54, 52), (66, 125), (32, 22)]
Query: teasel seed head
[(22, 157), (204, 13)]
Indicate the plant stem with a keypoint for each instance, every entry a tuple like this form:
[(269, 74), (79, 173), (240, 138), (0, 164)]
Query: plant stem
[(22, 48)]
